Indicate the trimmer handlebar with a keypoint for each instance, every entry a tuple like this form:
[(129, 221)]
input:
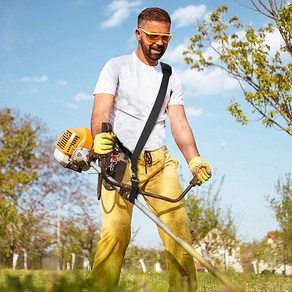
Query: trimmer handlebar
[(125, 189), (106, 127)]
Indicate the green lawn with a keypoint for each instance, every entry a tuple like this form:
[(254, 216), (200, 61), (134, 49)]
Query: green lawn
[(68, 281)]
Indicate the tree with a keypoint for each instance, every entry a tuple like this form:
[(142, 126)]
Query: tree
[(282, 206), (265, 80), (18, 140), (33, 186), (78, 231), (212, 225)]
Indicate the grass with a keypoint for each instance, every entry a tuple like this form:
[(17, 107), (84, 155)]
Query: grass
[(68, 281)]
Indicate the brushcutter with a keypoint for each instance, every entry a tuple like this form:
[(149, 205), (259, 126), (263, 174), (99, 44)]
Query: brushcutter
[(74, 151)]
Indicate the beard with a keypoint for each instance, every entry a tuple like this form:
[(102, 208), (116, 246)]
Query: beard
[(153, 52)]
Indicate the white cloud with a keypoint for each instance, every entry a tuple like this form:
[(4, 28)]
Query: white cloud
[(61, 82), (174, 55), (206, 83), (81, 96), (78, 97), (34, 79), (194, 112), (66, 104), (30, 90), (185, 16), (80, 2), (211, 81), (70, 105), (120, 11), (275, 41)]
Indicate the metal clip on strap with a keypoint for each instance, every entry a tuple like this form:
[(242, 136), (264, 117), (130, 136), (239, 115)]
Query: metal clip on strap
[(135, 187)]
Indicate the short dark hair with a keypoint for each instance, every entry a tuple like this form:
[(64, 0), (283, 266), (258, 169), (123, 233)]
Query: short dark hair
[(153, 14)]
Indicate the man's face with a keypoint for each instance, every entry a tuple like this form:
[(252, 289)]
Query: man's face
[(152, 50)]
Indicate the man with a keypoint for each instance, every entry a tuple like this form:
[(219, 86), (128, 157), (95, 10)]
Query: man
[(124, 96)]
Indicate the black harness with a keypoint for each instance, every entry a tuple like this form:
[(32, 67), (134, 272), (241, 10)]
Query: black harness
[(166, 70)]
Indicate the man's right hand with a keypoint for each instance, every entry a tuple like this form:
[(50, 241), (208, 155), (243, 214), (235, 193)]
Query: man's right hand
[(104, 143)]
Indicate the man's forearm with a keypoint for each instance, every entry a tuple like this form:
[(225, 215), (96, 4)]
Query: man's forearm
[(96, 120), (101, 111), (187, 144)]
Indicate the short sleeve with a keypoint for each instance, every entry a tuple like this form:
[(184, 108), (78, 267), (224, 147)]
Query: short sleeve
[(108, 79), (176, 91)]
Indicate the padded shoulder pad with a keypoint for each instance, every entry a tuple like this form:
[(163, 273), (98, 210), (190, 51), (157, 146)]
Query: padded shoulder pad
[(166, 69)]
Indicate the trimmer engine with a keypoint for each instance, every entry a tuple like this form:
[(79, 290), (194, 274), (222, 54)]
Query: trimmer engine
[(73, 149)]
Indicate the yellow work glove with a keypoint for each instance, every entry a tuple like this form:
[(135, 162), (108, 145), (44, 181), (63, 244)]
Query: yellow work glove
[(103, 143), (200, 169)]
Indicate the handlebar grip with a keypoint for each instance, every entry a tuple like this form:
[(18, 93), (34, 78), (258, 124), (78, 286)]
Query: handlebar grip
[(106, 127)]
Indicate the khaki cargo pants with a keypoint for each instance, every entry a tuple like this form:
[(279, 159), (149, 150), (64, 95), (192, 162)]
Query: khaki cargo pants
[(158, 176)]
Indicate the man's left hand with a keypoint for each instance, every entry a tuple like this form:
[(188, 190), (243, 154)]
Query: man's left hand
[(200, 169)]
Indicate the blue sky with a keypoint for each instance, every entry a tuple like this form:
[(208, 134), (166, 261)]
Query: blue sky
[(51, 53)]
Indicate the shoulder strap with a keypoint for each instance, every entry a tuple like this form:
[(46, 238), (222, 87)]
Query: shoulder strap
[(166, 70)]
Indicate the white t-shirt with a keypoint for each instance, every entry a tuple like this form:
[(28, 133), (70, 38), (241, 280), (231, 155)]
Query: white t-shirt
[(135, 86)]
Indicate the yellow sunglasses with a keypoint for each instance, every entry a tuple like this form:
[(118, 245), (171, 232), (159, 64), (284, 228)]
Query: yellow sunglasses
[(154, 37)]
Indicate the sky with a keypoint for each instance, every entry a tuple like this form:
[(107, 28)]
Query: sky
[(51, 53)]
